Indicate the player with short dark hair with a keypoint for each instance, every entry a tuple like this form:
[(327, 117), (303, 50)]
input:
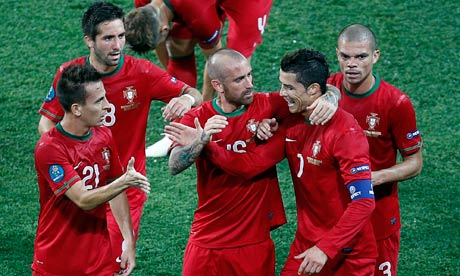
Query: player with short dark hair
[(219, 237), (331, 175), (131, 84), (388, 119), (78, 172)]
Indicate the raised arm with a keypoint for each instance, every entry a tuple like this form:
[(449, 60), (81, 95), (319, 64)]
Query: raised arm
[(191, 141), (45, 124), (90, 199), (196, 141), (252, 162), (325, 106), (178, 106)]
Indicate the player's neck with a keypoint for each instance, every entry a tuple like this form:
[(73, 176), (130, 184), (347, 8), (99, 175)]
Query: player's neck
[(74, 126), (101, 68), (228, 107)]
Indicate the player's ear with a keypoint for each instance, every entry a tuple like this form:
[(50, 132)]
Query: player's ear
[(217, 85), (76, 109), (89, 42), (313, 89), (376, 56)]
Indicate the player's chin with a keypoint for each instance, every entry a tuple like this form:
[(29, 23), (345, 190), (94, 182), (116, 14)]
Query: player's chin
[(248, 99)]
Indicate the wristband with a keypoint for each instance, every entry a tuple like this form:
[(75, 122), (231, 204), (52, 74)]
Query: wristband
[(190, 97)]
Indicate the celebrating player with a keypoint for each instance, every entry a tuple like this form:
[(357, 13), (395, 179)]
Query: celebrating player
[(131, 85), (236, 210), (77, 166), (387, 117)]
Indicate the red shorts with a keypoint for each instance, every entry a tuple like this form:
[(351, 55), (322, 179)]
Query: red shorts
[(341, 265), (116, 238), (257, 259), (247, 21), (246, 24), (387, 261)]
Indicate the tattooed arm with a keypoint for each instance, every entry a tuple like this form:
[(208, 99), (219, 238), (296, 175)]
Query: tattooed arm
[(191, 141)]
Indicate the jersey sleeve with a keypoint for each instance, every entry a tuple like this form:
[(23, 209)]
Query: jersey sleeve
[(250, 163), (162, 86), (51, 108), (351, 150), (352, 153), (404, 127), (55, 168)]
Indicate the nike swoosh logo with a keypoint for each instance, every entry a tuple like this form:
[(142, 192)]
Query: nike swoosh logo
[(78, 165), (217, 141), (290, 140)]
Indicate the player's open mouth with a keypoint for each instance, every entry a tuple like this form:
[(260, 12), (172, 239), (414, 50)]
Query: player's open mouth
[(115, 55), (289, 102)]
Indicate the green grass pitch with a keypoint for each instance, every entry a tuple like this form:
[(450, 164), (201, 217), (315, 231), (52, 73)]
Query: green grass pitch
[(419, 42)]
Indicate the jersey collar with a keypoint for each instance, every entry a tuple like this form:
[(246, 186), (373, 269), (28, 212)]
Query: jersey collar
[(364, 95), (228, 114), (120, 65), (71, 136)]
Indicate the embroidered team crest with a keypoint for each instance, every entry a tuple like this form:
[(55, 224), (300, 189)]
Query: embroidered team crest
[(372, 121), (130, 94), (252, 126), (106, 157), (316, 148)]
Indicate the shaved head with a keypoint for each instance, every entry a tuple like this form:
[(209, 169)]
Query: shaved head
[(358, 33), (217, 62)]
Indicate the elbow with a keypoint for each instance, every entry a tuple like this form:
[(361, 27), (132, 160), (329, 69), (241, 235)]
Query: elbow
[(84, 204), (174, 170)]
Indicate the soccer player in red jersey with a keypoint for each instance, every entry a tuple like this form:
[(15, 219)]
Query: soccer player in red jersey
[(331, 175), (329, 166), (195, 22), (131, 85), (388, 119), (230, 233), (78, 172)]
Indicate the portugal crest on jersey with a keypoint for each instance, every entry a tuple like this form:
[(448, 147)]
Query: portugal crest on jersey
[(372, 121), (315, 149), (252, 126), (106, 157), (130, 94)]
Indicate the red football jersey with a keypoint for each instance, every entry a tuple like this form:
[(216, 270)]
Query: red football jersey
[(323, 160), (200, 19), (234, 211), (64, 229), (130, 90), (388, 119)]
